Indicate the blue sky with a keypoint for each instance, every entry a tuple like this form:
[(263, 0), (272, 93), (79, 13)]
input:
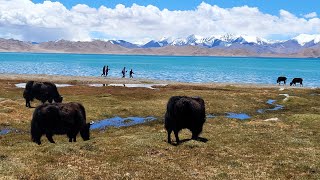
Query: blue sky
[(296, 7), (136, 21)]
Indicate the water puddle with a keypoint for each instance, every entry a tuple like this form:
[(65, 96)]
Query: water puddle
[(97, 85), (210, 116), (121, 122), (241, 116), (314, 94), (23, 85), (271, 102), (149, 86), (4, 131)]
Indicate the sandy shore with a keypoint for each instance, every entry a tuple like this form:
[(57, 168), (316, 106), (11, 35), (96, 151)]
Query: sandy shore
[(111, 80)]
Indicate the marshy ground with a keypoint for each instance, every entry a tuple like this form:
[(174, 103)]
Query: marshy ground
[(288, 148)]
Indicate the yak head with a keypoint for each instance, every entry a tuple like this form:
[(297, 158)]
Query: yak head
[(85, 132), (58, 99), (291, 83)]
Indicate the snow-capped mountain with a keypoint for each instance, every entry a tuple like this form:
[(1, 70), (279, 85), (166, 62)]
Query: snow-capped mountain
[(229, 40), (303, 39), (212, 41), (218, 45)]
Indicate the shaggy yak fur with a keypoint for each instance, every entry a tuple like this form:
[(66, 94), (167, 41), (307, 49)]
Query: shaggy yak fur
[(43, 91), (185, 112), (284, 79), (59, 118), (296, 80)]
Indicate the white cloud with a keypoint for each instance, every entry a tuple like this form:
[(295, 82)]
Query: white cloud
[(26, 20), (311, 15)]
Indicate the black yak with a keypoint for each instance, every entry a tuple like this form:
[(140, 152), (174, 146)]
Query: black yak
[(184, 112), (59, 118), (296, 80), (281, 78), (43, 91)]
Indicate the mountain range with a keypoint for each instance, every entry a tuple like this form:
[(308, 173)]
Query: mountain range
[(303, 45)]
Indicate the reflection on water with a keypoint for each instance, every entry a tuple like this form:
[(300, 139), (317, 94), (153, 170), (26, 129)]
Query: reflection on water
[(121, 122)]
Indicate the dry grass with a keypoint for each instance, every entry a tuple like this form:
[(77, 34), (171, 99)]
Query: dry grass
[(252, 149)]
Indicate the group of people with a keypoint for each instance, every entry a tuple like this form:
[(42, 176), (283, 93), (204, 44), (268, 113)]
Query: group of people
[(105, 71)]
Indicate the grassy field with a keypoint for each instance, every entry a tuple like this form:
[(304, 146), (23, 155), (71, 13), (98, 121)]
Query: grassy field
[(250, 149)]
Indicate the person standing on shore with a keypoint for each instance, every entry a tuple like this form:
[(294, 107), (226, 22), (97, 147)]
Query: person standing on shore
[(107, 71), (103, 71), (131, 72), (124, 72)]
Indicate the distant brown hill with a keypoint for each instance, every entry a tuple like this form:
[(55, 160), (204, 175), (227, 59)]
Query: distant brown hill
[(106, 47)]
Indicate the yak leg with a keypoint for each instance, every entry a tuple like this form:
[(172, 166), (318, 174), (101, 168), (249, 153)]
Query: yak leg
[(169, 135), (49, 137), (50, 100), (37, 140), (194, 135), (28, 103), (176, 135), (70, 137)]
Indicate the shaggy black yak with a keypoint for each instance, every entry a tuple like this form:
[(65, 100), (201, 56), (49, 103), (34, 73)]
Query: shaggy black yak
[(296, 80), (43, 91), (185, 112), (281, 78), (59, 118)]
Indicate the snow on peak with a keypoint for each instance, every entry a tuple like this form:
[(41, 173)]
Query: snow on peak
[(302, 39), (166, 39), (254, 39), (227, 37)]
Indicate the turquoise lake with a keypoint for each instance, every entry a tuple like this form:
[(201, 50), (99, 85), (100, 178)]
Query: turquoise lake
[(176, 68)]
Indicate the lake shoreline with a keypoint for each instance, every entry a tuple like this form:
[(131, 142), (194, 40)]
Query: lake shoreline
[(86, 80)]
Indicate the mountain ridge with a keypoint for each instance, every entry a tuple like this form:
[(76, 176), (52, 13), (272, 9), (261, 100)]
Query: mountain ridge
[(221, 45)]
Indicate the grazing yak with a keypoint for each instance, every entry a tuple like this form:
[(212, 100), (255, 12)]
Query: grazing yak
[(59, 118), (184, 112), (43, 91), (296, 80), (281, 78)]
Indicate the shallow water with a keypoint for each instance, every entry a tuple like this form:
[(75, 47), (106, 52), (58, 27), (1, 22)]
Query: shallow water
[(210, 116), (176, 68), (121, 122), (271, 102), (23, 85), (240, 116), (149, 86), (4, 131)]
